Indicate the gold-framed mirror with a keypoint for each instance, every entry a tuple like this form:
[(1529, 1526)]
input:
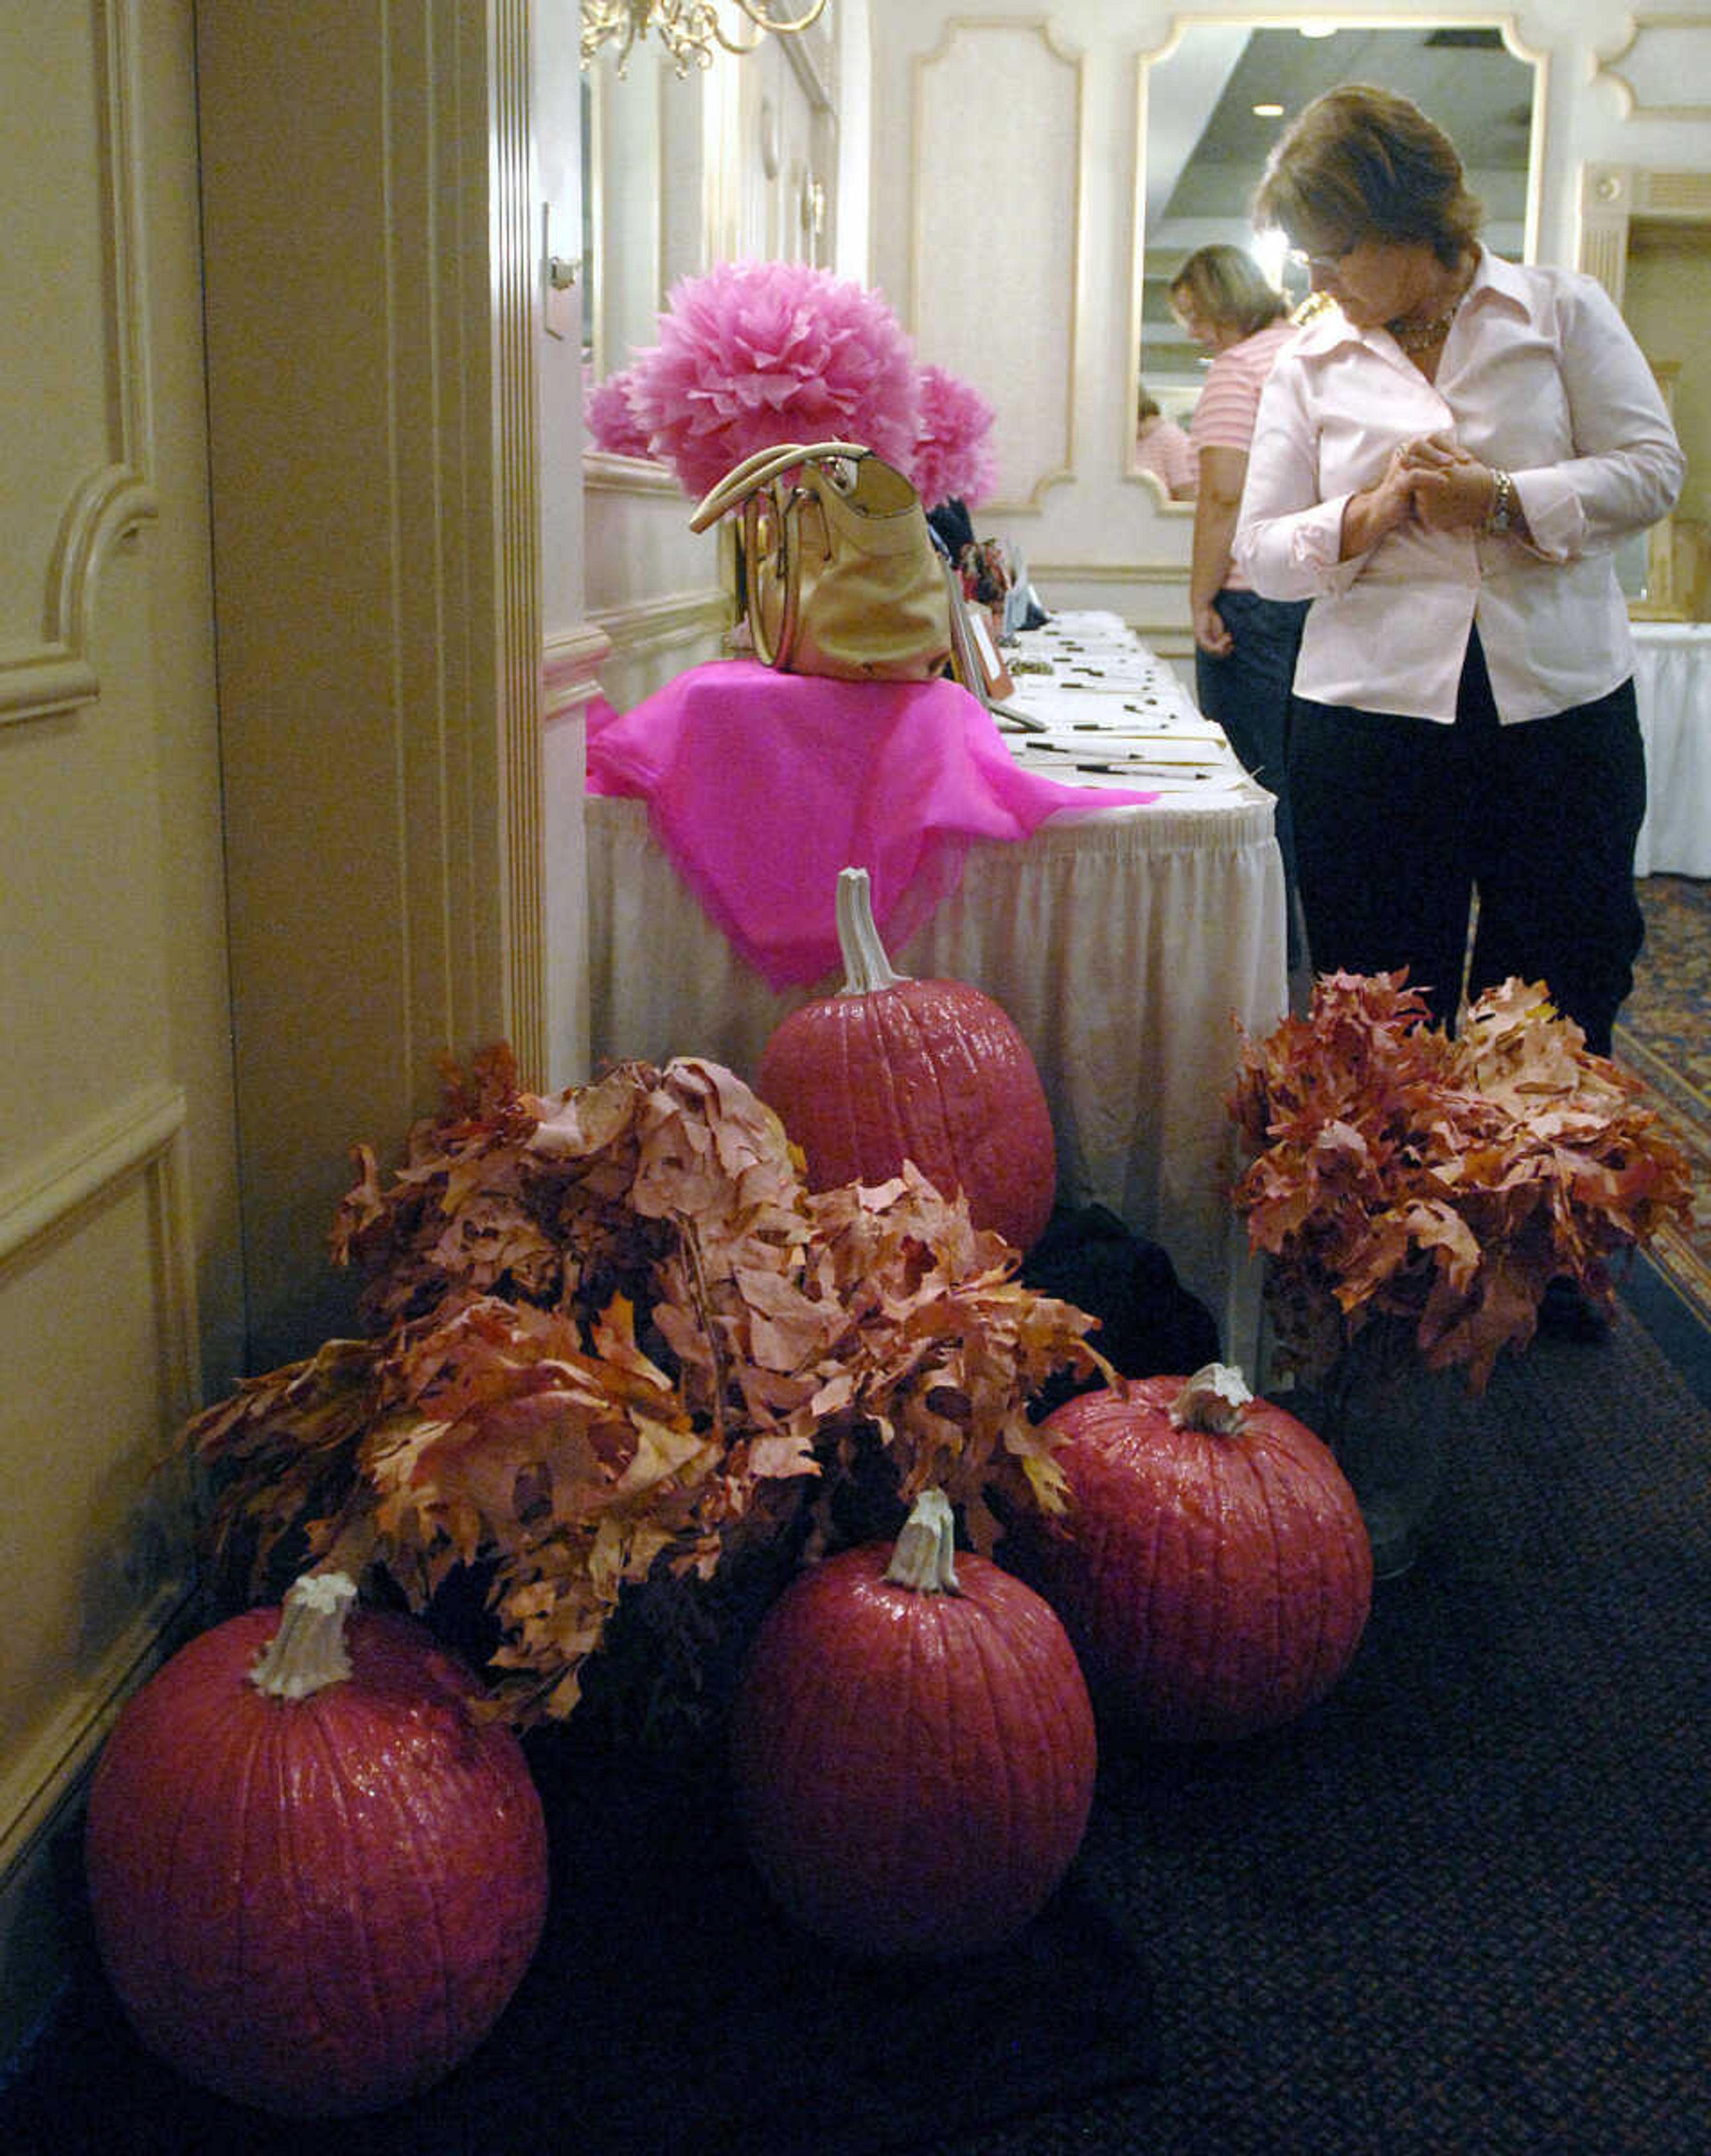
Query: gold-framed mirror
[(1212, 100)]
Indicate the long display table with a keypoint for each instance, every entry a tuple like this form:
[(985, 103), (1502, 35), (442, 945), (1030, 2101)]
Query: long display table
[(1128, 943)]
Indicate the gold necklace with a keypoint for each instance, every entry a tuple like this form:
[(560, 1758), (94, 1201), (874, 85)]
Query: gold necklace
[(1416, 336), (1419, 337)]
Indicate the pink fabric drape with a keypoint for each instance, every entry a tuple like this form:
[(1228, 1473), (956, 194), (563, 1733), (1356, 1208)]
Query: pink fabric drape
[(761, 786)]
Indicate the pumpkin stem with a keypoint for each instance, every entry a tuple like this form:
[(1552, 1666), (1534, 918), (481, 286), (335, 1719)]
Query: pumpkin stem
[(866, 965), (925, 1551), (1214, 1398), (308, 1651)]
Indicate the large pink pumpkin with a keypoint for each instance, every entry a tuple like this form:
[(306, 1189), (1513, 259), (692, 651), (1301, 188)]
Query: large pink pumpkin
[(318, 1904), (892, 1068), (1213, 1570), (912, 1762)]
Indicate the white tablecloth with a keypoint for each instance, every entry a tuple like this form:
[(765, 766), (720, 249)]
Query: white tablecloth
[(1128, 944), (1673, 687)]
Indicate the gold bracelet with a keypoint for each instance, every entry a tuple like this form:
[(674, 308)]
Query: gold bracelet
[(1500, 517)]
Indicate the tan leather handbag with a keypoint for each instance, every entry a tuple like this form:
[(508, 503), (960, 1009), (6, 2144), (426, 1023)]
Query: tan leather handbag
[(837, 574)]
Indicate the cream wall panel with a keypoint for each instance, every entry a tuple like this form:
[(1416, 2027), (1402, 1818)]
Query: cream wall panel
[(570, 681), (82, 919), (780, 120), (73, 358), (1659, 70), (112, 942), (117, 1168), (976, 208), (629, 118), (1017, 263), (655, 639), (654, 586), (96, 1339), (1669, 305)]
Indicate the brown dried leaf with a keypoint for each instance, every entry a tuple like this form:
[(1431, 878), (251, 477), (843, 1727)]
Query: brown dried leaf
[(1397, 1170), (619, 1337)]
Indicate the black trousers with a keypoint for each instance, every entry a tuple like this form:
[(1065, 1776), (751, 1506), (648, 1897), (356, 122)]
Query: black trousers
[(1401, 822)]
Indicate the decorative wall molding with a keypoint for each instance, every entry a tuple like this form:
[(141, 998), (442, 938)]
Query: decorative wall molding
[(141, 1141), (668, 624), (516, 288), (1667, 197), (1023, 361), (117, 495), (1602, 251), (39, 1781), (1613, 198), (570, 669), (1660, 58), (604, 473), (813, 54), (1134, 474), (1166, 573), (132, 1139)]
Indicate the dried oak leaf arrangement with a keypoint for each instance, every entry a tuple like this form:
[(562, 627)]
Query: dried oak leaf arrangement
[(1400, 1174), (616, 1340)]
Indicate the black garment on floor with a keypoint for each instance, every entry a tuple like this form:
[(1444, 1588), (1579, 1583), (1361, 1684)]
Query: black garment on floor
[(1150, 1326)]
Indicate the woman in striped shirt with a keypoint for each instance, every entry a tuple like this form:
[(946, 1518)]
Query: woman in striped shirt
[(1162, 448), (1245, 645)]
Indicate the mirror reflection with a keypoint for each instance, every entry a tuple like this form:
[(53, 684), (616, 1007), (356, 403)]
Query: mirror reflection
[(1214, 101)]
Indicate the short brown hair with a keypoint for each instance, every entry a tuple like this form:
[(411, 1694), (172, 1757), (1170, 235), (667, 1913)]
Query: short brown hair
[(1228, 286), (1361, 162)]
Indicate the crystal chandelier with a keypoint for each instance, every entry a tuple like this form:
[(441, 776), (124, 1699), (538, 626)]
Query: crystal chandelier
[(688, 29)]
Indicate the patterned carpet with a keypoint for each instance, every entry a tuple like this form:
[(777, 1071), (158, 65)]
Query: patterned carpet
[(1665, 1037)]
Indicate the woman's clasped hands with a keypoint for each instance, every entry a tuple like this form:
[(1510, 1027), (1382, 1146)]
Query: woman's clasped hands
[(1450, 489), (1429, 480)]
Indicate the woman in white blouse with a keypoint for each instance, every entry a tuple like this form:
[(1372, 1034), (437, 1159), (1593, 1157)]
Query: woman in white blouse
[(1443, 464)]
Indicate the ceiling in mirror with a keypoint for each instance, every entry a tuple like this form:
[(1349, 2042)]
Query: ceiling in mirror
[(1208, 128)]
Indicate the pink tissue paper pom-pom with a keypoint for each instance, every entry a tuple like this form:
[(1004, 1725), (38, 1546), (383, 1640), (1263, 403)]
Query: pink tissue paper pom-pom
[(953, 456), (751, 354), (611, 424)]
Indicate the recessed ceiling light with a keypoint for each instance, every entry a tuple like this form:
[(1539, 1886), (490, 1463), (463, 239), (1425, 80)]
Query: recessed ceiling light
[(1268, 112)]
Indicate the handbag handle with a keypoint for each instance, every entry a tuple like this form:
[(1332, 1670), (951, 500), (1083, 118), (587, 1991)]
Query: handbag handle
[(772, 651), (779, 651), (764, 465)]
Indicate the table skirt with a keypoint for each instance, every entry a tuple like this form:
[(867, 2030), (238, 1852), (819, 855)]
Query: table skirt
[(1129, 946), (1673, 686)]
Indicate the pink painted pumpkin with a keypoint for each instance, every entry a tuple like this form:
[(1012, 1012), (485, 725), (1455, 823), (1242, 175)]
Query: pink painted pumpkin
[(1213, 1570), (934, 1072), (913, 1747), (316, 1879)]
